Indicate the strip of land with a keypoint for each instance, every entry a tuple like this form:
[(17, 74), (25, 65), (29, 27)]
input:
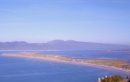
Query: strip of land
[(123, 51), (116, 64)]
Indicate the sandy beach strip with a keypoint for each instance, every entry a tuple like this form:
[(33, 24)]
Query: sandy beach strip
[(70, 62)]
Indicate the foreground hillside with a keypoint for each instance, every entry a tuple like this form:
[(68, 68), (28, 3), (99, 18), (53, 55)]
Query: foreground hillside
[(114, 78)]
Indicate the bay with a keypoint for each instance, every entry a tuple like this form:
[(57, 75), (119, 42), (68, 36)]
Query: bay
[(13, 69)]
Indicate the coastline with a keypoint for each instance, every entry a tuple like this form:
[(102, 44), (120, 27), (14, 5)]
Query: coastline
[(56, 58)]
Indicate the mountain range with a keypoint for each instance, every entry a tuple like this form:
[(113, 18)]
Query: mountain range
[(61, 45)]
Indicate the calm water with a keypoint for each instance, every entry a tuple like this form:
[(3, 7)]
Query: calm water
[(31, 70)]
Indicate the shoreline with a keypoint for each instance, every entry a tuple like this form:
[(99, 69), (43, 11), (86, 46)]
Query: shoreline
[(54, 59)]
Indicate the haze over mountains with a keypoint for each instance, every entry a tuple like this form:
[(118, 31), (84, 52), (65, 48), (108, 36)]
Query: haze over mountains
[(60, 45)]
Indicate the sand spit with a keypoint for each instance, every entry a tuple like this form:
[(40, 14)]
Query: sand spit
[(120, 65)]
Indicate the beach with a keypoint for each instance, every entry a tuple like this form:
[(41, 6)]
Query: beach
[(62, 59)]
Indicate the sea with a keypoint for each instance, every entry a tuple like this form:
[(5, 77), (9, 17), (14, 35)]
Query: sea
[(15, 69)]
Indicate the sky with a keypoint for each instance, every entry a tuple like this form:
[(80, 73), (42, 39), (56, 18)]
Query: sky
[(39, 21)]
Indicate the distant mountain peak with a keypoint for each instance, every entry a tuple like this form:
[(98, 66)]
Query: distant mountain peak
[(56, 41), (71, 41), (60, 45)]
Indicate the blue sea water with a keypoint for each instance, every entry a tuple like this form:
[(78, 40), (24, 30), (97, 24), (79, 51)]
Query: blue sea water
[(13, 69)]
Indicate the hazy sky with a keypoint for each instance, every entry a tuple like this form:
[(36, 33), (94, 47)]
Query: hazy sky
[(102, 21)]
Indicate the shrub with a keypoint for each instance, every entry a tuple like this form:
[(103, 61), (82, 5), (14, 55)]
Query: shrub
[(113, 78)]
